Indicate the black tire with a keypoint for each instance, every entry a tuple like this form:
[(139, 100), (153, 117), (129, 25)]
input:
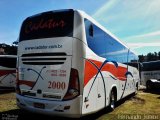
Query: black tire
[(112, 100), (148, 85), (136, 91)]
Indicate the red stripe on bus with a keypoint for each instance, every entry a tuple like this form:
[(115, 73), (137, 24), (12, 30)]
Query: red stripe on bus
[(91, 70), (5, 72), (26, 82)]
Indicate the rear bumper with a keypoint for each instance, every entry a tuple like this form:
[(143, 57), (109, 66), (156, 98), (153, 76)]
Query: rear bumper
[(70, 108)]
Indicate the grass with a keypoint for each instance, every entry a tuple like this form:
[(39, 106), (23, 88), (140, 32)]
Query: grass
[(7, 102), (142, 104)]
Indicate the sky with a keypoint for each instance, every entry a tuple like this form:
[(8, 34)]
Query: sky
[(135, 22)]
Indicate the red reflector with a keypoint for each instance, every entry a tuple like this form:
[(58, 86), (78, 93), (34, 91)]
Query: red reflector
[(73, 88)]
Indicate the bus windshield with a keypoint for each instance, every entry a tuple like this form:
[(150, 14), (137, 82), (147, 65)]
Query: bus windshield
[(47, 25)]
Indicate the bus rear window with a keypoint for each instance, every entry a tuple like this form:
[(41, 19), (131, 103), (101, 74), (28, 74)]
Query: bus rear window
[(8, 62), (47, 25)]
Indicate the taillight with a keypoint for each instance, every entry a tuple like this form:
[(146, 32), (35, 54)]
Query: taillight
[(73, 88), (17, 82)]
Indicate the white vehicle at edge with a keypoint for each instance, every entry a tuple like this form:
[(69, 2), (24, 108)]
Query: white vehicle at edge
[(8, 71), (69, 65), (150, 74)]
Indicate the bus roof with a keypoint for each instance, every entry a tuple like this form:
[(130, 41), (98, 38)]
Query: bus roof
[(85, 15), (61, 10)]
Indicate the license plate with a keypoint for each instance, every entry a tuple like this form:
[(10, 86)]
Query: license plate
[(39, 105)]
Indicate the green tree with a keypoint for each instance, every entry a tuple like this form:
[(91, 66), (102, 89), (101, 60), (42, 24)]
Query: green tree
[(159, 55), (9, 49), (141, 58), (149, 56), (155, 56)]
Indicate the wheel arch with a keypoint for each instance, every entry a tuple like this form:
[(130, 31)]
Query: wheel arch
[(114, 89)]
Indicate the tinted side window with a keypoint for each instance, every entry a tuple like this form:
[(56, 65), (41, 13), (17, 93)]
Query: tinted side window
[(8, 62), (132, 57), (132, 60), (151, 66), (156, 65), (114, 50), (104, 45), (96, 41)]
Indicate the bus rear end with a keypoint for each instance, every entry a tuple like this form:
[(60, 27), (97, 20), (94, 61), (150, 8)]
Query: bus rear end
[(47, 82), (7, 71)]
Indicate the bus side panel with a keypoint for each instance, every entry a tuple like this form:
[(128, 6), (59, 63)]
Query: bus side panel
[(147, 75), (89, 85), (129, 86), (133, 80), (143, 77), (78, 64), (79, 51), (97, 85), (150, 70), (7, 78), (8, 70), (90, 98)]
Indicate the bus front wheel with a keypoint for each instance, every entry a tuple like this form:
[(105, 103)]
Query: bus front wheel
[(136, 89), (148, 85)]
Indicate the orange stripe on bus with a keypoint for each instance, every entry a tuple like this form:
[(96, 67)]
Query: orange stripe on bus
[(91, 70), (26, 82)]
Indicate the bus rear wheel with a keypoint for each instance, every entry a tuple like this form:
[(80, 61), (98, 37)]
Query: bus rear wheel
[(112, 100)]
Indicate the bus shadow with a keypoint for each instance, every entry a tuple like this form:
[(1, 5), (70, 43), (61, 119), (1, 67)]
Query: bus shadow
[(106, 110), (6, 90), (153, 91), (20, 114)]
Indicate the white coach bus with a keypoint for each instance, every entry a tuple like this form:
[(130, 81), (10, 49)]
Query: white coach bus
[(7, 71), (69, 65), (150, 74)]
